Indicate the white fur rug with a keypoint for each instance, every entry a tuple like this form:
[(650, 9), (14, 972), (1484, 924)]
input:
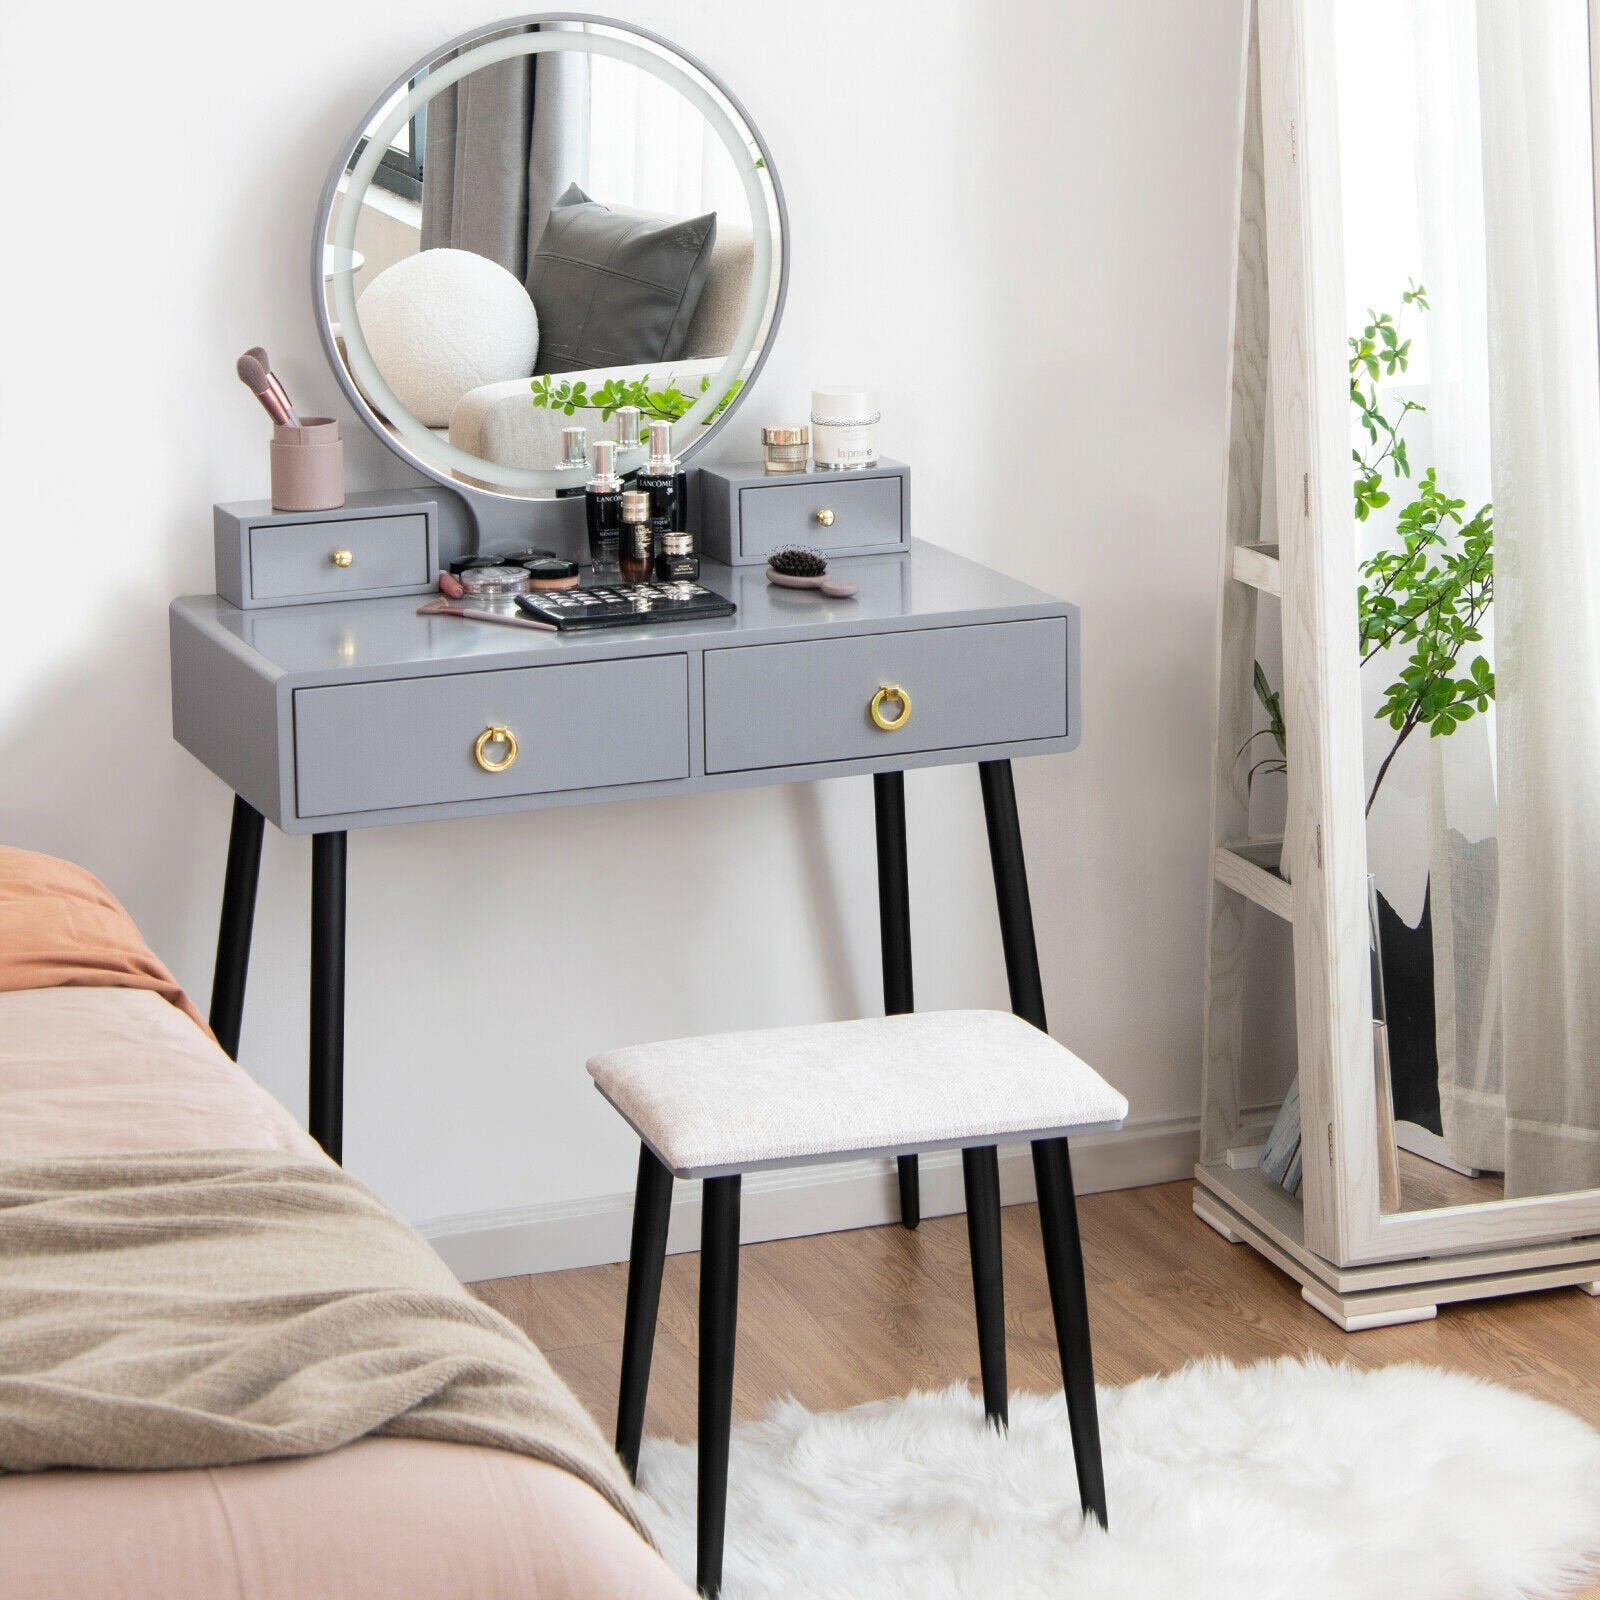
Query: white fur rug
[(1298, 1480)]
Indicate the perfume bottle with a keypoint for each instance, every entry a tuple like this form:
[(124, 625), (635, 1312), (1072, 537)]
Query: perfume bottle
[(602, 508), (574, 453), (626, 421), (638, 536), (665, 481)]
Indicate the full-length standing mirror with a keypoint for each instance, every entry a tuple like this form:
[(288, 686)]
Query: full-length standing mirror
[(541, 220), (1414, 512)]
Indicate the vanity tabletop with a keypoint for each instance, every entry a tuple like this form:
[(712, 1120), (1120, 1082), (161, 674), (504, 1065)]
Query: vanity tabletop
[(925, 586)]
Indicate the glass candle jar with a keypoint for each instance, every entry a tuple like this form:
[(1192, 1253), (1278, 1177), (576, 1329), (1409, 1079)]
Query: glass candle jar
[(844, 429), (785, 449)]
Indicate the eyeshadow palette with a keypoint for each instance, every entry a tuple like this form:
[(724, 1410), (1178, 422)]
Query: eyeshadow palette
[(623, 605)]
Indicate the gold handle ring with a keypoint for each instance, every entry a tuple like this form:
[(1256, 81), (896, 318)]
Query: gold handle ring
[(496, 733), (344, 558), (890, 691), (825, 518)]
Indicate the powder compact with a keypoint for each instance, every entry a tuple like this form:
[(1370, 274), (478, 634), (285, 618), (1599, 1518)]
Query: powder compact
[(551, 572)]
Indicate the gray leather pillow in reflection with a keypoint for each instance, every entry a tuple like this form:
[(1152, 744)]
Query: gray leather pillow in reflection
[(614, 289)]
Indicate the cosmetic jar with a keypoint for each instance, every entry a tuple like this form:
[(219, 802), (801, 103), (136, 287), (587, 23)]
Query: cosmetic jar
[(551, 572), (507, 558), (307, 461), (785, 449), (495, 587), (844, 429), (677, 562)]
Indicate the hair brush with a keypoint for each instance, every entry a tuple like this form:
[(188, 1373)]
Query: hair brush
[(797, 566)]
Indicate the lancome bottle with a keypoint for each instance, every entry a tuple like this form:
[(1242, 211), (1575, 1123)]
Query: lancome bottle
[(574, 453), (602, 509), (665, 481), (638, 545), (626, 421)]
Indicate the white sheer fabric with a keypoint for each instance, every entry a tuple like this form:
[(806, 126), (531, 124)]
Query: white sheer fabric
[(1544, 360)]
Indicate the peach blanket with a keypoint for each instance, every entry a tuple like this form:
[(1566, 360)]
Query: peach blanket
[(60, 926)]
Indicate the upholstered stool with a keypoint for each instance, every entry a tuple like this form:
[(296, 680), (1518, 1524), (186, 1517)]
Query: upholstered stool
[(715, 1108)]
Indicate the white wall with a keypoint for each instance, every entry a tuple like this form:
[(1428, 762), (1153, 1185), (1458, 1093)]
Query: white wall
[(1014, 221)]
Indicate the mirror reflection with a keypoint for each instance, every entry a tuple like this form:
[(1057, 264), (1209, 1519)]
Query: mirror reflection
[(1467, 156), (551, 238)]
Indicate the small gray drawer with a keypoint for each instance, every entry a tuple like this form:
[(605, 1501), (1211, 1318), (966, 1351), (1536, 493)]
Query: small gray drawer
[(854, 512), (410, 741), (779, 705), (297, 560)]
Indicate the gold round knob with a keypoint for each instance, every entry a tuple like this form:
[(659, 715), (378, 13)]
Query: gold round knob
[(825, 518), (495, 733), (344, 558), (890, 691)]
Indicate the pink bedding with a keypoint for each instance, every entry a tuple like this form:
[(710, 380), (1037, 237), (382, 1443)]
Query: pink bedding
[(109, 1070)]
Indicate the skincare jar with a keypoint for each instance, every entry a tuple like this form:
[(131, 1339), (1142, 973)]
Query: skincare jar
[(785, 449), (844, 429)]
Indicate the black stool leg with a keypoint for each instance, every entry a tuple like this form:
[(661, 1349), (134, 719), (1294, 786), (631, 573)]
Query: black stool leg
[(1063, 1259), (980, 1172), (894, 927), (238, 918), (719, 1316), (647, 1255), (326, 1116)]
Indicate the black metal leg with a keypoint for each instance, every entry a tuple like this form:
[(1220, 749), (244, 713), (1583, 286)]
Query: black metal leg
[(647, 1255), (980, 1171), (719, 1316), (894, 926), (326, 1106), (238, 918), (1069, 1302), (1011, 891)]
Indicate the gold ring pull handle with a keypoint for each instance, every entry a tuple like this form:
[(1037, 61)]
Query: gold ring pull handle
[(343, 558), (495, 733), (890, 691), (824, 518)]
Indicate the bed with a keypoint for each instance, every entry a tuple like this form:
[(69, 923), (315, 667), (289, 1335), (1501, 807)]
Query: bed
[(102, 1056)]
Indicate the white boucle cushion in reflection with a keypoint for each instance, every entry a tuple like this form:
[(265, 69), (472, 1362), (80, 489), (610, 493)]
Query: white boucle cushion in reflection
[(444, 322), (731, 1101)]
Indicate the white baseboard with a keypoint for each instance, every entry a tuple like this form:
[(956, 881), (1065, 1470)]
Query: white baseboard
[(793, 1201)]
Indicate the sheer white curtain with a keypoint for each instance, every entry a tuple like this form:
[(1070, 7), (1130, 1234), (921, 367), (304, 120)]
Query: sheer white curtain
[(1544, 362)]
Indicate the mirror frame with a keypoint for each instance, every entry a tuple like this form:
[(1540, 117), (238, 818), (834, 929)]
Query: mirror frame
[(492, 505), (1344, 1221)]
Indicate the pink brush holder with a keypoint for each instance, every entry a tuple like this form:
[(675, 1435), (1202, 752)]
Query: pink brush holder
[(307, 466)]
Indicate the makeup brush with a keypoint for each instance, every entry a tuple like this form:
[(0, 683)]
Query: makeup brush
[(276, 382), (258, 381)]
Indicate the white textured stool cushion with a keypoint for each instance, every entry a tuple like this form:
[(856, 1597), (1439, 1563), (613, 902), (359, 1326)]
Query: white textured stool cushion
[(729, 1102)]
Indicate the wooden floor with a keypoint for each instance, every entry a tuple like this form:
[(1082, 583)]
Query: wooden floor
[(841, 1318)]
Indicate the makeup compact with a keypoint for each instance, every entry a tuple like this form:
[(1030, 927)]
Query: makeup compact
[(551, 572)]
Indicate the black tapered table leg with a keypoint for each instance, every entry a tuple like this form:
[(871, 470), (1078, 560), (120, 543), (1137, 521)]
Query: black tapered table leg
[(980, 1171), (894, 927), (1069, 1303), (238, 919), (647, 1255), (326, 1103), (719, 1319), (1011, 890)]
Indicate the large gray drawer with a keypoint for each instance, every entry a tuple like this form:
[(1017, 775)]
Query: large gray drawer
[(295, 560), (779, 705), (864, 512), (409, 741)]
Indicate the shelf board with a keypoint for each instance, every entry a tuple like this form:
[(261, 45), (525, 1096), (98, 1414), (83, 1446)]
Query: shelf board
[(1250, 869), (1258, 565)]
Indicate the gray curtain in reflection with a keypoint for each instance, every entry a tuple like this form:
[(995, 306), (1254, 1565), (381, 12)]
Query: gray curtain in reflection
[(501, 145)]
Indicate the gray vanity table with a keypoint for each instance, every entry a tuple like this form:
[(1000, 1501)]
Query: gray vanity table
[(327, 704), (329, 717)]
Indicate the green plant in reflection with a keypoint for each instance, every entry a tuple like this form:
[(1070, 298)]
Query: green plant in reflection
[(1429, 587), (665, 404)]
